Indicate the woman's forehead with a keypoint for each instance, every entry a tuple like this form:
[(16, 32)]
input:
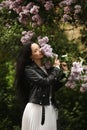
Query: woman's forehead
[(34, 46)]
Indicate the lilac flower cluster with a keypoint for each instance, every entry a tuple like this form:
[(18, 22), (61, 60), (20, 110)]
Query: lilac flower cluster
[(45, 48), (47, 51), (27, 36), (77, 9), (77, 77), (11, 4), (29, 12), (48, 4), (71, 10)]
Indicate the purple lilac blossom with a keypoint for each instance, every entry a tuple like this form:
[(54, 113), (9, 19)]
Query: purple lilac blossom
[(14, 5), (34, 9), (6, 3), (77, 9), (37, 19), (83, 88), (75, 75), (11, 4), (69, 7), (77, 68), (67, 10), (66, 18), (62, 4), (69, 2), (24, 11), (27, 36), (66, 3), (76, 71), (24, 15), (46, 49), (25, 40), (18, 10), (23, 19), (43, 40), (70, 84), (78, 74), (29, 5), (48, 5)]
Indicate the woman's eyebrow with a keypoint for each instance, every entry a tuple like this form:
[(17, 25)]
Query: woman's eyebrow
[(35, 49)]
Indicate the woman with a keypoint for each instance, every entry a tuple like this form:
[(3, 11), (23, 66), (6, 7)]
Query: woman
[(37, 86)]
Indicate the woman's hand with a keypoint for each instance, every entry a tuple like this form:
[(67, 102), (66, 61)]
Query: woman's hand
[(56, 63), (64, 66)]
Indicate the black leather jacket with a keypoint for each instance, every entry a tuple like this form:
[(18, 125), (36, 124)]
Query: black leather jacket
[(43, 85)]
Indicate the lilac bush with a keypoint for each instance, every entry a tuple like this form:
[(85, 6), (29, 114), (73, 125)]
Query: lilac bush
[(70, 9), (78, 77), (29, 13)]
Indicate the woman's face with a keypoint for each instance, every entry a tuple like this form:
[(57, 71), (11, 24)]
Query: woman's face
[(36, 52)]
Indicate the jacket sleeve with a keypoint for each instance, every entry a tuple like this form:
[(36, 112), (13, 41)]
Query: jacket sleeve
[(61, 79), (34, 76)]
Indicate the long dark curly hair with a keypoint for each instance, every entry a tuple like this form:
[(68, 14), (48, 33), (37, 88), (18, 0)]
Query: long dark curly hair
[(22, 89)]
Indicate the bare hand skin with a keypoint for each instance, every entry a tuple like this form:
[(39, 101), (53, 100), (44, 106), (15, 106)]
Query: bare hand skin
[(64, 66), (56, 62)]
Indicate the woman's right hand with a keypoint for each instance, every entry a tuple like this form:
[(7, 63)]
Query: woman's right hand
[(56, 63)]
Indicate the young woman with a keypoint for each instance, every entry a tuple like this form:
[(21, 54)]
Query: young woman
[(37, 86)]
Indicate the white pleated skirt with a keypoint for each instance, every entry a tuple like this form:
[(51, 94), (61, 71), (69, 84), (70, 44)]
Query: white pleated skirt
[(32, 117)]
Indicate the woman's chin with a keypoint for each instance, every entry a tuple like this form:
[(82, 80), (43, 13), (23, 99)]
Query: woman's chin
[(42, 56)]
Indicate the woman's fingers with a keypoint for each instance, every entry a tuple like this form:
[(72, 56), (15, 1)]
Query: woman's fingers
[(64, 66), (56, 62)]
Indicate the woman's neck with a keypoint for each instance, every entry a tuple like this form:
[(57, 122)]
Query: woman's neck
[(38, 62)]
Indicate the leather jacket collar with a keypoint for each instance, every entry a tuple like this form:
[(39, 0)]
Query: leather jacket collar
[(39, 70)]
